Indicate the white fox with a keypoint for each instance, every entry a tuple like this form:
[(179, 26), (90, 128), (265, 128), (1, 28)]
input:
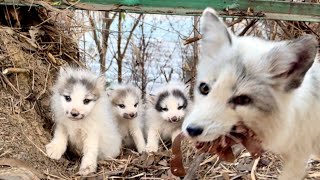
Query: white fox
[(80, 107), (165, 114), (127, 108), (272, 87)]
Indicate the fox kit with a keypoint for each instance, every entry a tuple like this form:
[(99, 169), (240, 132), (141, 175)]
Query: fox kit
[(79, 104), (272, 87), (165, 114), (127, 108)]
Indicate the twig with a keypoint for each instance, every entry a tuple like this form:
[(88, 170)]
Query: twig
[(6, 80), (253, 22), (191, 40), (284, 29), (14, 70), (193, 167), (235, 22)]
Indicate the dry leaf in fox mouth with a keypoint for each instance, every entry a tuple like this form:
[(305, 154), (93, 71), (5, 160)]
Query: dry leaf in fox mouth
[(221, 146), (176, 165)]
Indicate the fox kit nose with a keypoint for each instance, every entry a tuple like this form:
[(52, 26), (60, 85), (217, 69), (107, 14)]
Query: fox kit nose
[(74, 113), (174, 119), (132, 115), (194, 131)]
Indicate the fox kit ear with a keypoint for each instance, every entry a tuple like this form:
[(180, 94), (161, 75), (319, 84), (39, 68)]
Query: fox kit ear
[(287, 64), (214, 32), (109, 92), (151, 99), (101, 83)]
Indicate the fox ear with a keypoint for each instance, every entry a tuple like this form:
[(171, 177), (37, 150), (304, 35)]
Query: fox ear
[(109, 92), (215, 34), (101, 83), (287, 64), (151, 99)]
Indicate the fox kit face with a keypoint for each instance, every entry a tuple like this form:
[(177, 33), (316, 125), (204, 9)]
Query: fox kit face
[(171, 105), (243, 79), (78, 94), (125, 101)]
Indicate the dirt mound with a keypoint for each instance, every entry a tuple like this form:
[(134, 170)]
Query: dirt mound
[(29, 57)]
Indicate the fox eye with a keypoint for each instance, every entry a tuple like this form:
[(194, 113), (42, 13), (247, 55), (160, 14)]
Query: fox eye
[(86, 101), (67, 98), (204, 88), (180, 107), (241, 100), (164, 109), (136, 105), (122, 106)]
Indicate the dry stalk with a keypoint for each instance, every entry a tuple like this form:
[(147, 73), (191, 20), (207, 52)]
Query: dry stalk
[(254, 168), (15, 70), (51, 58)]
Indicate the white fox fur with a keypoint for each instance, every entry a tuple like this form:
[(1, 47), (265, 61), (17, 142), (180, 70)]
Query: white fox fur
[(126, 100), (273, 87), (159, 124), (84, 120)]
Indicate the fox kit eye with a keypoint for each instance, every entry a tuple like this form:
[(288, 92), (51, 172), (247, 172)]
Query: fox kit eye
[(180, 107), (136, 105), (241, 100), (67, 98), (204, 88), (122, 106), (86, 101), (164, 109)]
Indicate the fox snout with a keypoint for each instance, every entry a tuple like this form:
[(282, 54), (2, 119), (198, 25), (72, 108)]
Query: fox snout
[(75, 114), (174, 119), (130, 115), (194, 131)]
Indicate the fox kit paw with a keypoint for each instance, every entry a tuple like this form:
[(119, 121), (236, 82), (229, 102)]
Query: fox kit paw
[(55, 150), (141, 148), (150, 149), (86, 169)]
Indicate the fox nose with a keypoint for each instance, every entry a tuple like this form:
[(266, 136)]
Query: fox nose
[(174, 119), (74, 113), (132, 115), (194, 131)]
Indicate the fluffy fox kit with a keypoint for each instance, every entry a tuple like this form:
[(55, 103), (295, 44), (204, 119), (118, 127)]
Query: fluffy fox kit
[(79, 104), (165, 114), (271, 87), (127, 109)]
